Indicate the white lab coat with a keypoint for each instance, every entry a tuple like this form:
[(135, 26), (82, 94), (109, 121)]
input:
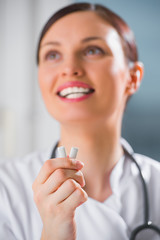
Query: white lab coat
[(114, 219)]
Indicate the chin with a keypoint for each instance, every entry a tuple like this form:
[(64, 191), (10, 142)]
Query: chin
[(73, 117)]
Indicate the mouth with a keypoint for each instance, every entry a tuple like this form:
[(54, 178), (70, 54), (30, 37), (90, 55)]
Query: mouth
[(75, 91)]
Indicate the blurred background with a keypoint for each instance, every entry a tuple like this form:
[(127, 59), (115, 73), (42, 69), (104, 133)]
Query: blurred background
[(25, 125)]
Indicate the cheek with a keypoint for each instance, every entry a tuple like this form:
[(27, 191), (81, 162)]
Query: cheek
[(111, 84), (108, 73), (119, 81), (46, 79), (119, 73)]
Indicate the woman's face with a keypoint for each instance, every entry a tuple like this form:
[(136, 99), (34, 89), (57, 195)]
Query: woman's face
[(83, 74)]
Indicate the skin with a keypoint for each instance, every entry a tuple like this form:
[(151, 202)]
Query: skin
[(68, 53)]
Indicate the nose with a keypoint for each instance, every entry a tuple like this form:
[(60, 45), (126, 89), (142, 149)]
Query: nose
[(72, 68)]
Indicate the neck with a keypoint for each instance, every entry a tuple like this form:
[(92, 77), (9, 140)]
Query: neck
[(92, 141)]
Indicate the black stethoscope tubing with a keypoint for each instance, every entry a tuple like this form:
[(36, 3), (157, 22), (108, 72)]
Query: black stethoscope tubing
[(147, 223)]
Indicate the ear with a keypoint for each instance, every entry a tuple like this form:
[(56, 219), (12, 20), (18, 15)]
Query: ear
[(136, 74)]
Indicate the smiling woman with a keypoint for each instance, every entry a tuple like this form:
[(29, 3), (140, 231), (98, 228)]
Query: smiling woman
[(87, 69)]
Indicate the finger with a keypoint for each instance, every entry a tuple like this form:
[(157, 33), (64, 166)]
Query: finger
[(64, 191), (52, 164), (78, 197), (59, 176)]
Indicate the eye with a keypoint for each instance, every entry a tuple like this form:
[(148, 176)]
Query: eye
[(93, 50), (52, 56)]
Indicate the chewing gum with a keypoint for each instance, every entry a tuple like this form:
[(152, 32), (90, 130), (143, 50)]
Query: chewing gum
[(73, 152), (62, 152)]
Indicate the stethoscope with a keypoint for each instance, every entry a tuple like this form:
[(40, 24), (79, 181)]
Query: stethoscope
[(147, 223)]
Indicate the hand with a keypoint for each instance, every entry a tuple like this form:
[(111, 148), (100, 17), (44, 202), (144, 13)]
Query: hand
[(57, 193)]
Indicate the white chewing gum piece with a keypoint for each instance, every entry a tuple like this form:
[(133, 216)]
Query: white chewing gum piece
[(61, 152), (73, 152)]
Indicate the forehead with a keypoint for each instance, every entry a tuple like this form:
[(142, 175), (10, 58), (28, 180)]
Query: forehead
[(79, 25)]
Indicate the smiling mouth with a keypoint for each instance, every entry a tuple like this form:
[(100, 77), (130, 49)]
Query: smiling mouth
[(74, 92)]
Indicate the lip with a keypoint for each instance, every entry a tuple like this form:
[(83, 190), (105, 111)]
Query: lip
[(73, 84)]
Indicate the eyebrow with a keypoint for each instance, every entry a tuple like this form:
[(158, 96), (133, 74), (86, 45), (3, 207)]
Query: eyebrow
[(91, 39), (51, 43), (83, 41)]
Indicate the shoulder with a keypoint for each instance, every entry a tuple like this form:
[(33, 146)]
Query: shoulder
[(148, 164), (17, 209), (18, 174), (150, 169), (27, 165)]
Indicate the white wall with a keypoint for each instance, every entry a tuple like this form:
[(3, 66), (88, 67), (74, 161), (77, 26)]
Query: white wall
[(25, 125)]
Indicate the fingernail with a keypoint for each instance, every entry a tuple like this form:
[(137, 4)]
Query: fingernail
[(84, 183), (78, 163)]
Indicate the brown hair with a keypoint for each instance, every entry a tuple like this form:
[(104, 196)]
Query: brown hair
[(124, 31)]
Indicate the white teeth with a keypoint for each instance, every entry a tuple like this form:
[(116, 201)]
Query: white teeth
[(71, 90), (75, 95)]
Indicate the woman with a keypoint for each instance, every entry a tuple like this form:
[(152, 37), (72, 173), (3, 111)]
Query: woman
[(87, 69)]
